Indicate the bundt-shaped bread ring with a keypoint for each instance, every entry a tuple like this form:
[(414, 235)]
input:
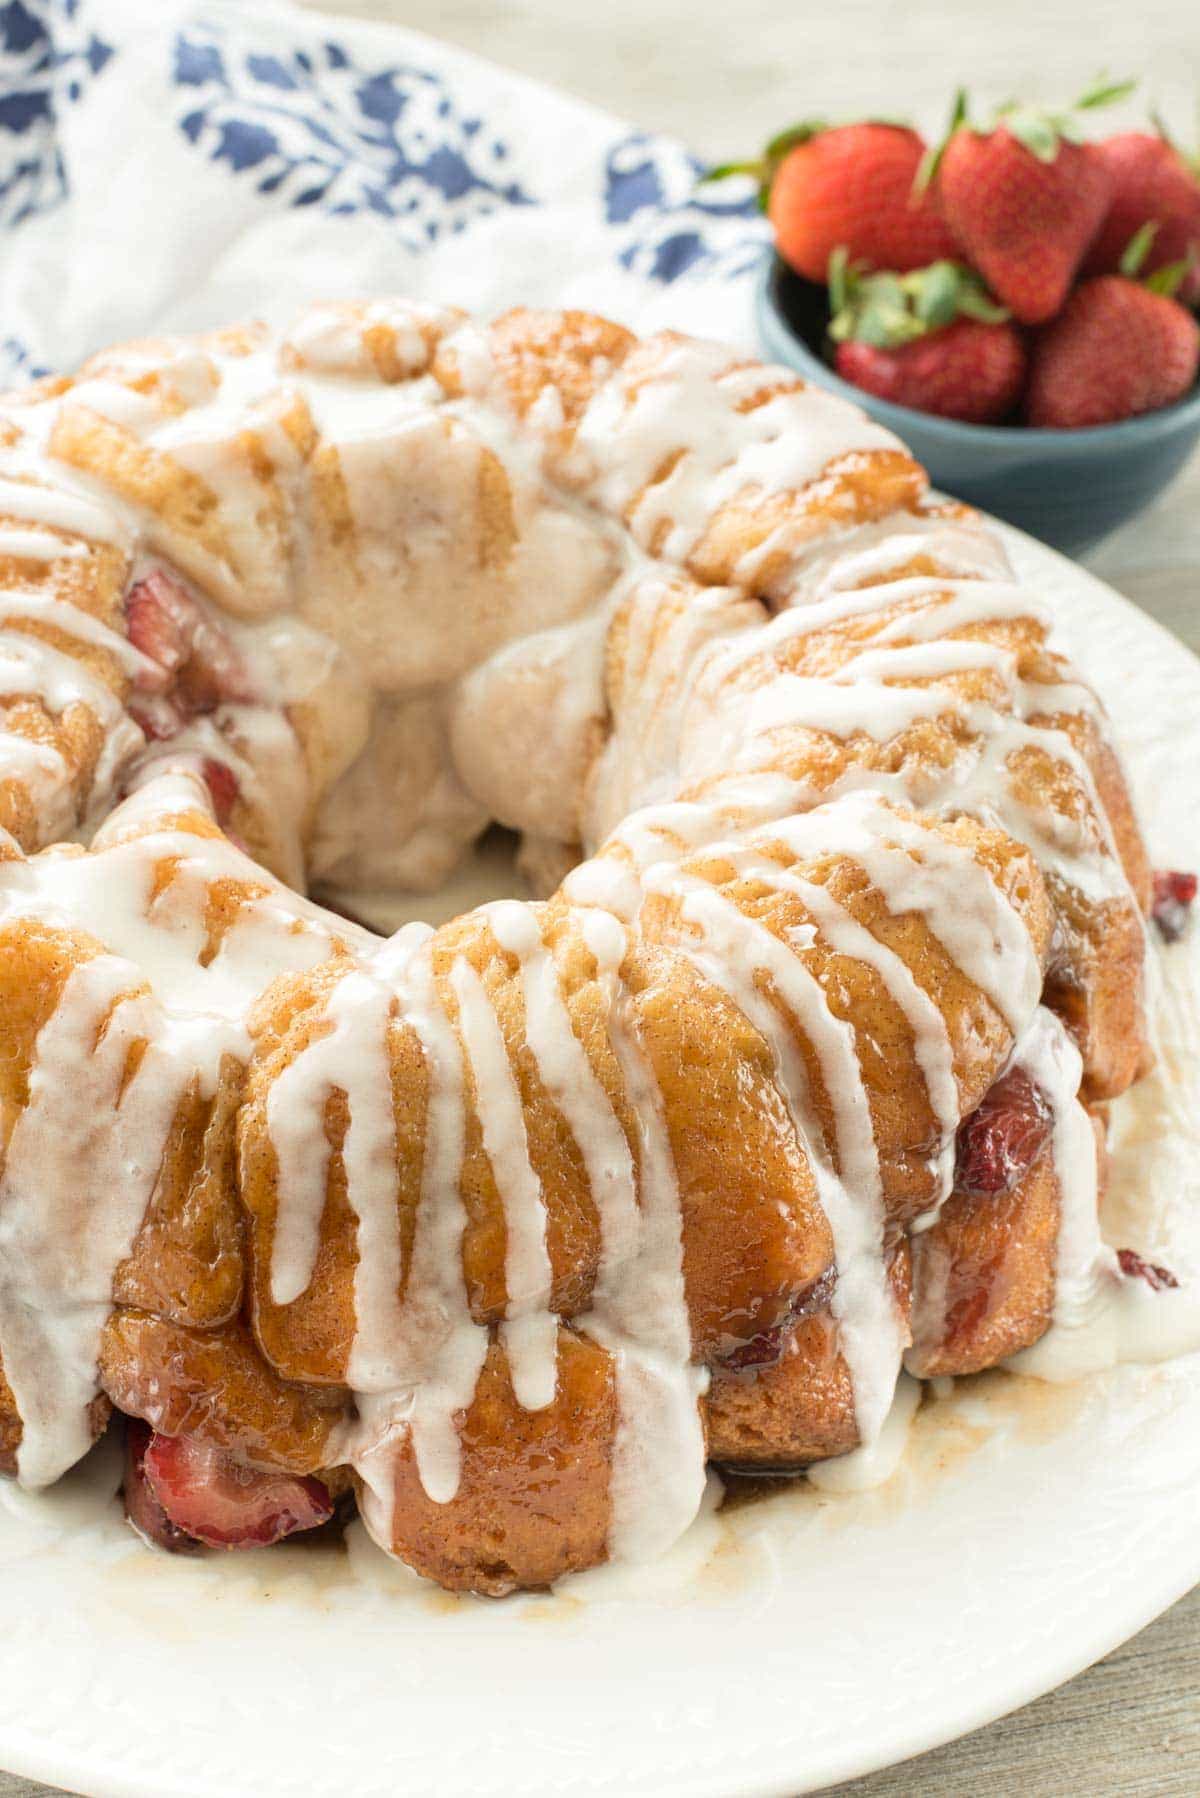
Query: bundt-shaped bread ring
[(516, 1223)]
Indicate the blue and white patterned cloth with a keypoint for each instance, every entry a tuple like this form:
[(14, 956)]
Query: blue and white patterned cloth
[(171, 164)]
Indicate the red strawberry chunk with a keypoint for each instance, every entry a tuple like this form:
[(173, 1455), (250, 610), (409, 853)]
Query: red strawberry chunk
[(222, 783), (1173, 895), (1159, 1279), (193, 653), (209, 1496), (999, 1143), (762, 1350), (142, 1508), (768, 1346), (215, 673), (158, 622)]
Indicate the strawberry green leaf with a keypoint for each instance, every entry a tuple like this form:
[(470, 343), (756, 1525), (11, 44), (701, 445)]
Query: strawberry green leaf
[(1138, 248), (763, 168), (1104, 92), (723, 170), (936, 296), (783, 141), (888, 310), (975, 302), (1161, 127), (1037, 131), (839, 278), (1168, 279), (1042, 129), (1191, 162)]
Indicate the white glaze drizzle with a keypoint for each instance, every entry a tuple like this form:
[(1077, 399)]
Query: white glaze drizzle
[(845, 936), (639, 1312), (528, 1276), (567, 1075), (629, 434), (440, 1348), (738, 947), (80, 1170)]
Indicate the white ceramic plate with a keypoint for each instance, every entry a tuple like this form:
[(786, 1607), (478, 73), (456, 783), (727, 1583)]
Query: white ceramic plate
[(786, 1644)]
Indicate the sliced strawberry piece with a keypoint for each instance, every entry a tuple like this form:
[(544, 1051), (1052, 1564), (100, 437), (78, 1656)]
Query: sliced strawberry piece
[(192, 652), (142, 1508), (1159, 1279), (214, 673), (159, 621), (1173, 896), (221, 1502), (222, 783), (1000, 1141)]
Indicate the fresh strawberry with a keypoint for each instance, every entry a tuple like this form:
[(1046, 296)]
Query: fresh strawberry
[(967, 370), (1001, 1140), (1024, 200), (218, 1501), (1116, 349), (1152, 184), (850, 186), (931, 339)]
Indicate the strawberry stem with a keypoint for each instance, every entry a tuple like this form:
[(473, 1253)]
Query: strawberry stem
[(1042, 129), (931, 161), (1166, 280), (839, 278), (721, 171), (1161, 127), (1189, 159), (887, 310), (763, 168)]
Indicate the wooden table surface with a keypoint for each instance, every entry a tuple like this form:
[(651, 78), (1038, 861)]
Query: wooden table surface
[(722, 77)]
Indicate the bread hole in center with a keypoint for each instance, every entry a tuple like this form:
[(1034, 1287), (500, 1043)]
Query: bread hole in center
[(488, 871)]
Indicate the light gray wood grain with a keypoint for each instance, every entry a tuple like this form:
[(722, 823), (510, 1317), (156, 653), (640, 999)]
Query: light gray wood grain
[(721, 77)]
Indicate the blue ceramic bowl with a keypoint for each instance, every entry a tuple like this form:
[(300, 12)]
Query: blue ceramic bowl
[(1070, 488)]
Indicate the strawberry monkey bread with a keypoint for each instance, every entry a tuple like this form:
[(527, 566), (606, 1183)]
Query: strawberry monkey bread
[(507, 1228)]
